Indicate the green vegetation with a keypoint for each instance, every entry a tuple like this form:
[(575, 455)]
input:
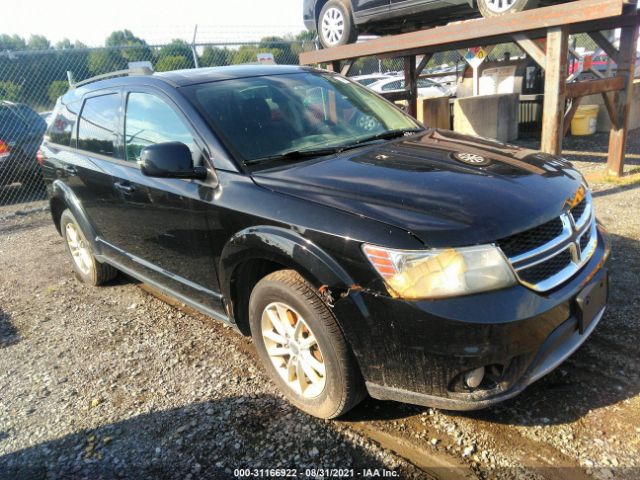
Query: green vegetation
[(34, 71)]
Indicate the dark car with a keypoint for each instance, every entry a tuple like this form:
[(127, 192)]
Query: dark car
[(361, 251), (340, 21), (21, 132)]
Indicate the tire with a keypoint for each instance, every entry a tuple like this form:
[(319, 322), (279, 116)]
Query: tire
[(494, 8), (341, 387), (86, 267), (335, 25)]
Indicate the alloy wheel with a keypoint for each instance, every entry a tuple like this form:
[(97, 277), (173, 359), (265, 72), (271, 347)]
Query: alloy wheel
[(499, 6), (293, 349), (78, 248)]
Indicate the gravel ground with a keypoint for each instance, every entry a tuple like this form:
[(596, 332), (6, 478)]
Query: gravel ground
[(112, 382)]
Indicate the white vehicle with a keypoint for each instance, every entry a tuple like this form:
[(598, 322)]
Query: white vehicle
[(367, 80), (426, 88)]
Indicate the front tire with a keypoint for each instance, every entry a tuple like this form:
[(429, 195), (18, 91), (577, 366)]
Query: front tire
[(494, 8), (335, 25), (85, 265), (302, 347)]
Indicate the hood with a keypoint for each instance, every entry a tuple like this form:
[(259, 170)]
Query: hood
[(445, 188)]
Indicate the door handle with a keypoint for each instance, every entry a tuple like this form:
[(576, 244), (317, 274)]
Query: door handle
[(124, 187)]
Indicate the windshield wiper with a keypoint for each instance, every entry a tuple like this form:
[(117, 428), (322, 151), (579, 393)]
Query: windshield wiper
[(389, 134), (295, 154)]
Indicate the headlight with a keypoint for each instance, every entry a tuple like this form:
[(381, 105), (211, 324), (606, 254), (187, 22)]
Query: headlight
[(441, 273)]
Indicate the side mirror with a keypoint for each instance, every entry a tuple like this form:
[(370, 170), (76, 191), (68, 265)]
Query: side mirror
[(169, 160)]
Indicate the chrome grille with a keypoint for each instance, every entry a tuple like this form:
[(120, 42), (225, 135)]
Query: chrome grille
[(546, 256)]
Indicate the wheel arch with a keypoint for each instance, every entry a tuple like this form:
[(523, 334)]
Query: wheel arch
[(253, 253), (63, 198)]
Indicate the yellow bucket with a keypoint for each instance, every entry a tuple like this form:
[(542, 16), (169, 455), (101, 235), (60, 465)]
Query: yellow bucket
[(585, 120)]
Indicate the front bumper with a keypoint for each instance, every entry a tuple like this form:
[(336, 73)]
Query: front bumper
[(417, 352)]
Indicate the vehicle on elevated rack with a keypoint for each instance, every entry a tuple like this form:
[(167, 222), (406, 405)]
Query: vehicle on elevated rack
[(338, 22), (360, 250)]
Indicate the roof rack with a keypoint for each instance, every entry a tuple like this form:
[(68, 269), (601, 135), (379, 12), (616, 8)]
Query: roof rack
[(144, 70)]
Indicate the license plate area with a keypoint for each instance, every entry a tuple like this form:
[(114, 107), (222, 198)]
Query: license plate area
[(591, 300)]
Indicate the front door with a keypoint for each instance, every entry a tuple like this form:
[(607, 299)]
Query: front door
[(163, 226)]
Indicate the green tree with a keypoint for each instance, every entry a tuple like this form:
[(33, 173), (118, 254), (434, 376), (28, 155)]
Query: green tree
[(11, 42), (38, 42), (57, 88), (64, 44), (133, 48), (10, 91), (215, 56), (173, 62), (177, 48), (105, 61)]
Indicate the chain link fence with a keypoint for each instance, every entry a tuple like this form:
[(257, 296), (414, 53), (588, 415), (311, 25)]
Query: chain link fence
[(32, 80)]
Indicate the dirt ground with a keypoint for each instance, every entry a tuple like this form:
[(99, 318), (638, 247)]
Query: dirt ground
[(113, 382)]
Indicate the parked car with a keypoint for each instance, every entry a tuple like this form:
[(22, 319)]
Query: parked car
[(367, 80), (361, 251), (46, 116), (341, 21), (426, 88), (21, 132)]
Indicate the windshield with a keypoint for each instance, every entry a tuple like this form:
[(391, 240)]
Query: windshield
[(269, 116)]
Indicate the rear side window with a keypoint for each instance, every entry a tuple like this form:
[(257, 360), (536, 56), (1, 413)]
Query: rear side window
[(98, 126), (64, 120)]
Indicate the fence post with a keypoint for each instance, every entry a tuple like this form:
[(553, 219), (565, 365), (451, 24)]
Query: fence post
[(193, 47)]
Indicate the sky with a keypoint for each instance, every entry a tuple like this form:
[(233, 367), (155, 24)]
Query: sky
[(157, 21)]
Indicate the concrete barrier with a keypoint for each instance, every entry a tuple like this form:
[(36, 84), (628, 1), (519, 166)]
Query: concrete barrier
[(491, 116)]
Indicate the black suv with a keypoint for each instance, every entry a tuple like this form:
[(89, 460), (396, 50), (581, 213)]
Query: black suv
[(361, 251), (340, 21)]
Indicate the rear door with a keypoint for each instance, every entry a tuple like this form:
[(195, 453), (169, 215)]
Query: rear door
[(161, 223), (88, 169)]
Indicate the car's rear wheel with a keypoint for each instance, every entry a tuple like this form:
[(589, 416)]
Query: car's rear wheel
[(493, 8), (302, 347), (335, 25), (87, 268)]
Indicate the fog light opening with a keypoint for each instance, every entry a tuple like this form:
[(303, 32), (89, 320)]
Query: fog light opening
[(473, 378)]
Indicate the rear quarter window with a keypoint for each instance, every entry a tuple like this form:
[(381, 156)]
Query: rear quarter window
[(98, 124), (60, 130)]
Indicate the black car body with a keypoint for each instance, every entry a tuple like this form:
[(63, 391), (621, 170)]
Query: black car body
[(208, 241), (21, 132)]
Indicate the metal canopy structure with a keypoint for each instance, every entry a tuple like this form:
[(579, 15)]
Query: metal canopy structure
[(553, 24)]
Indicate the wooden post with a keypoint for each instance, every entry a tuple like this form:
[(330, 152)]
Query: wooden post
[(623, 99), (554, 90), (410, 84)]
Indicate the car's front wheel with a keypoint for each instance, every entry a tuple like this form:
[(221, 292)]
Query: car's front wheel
[(493, 8), (302, 347), (87, 268), (335, 25)]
